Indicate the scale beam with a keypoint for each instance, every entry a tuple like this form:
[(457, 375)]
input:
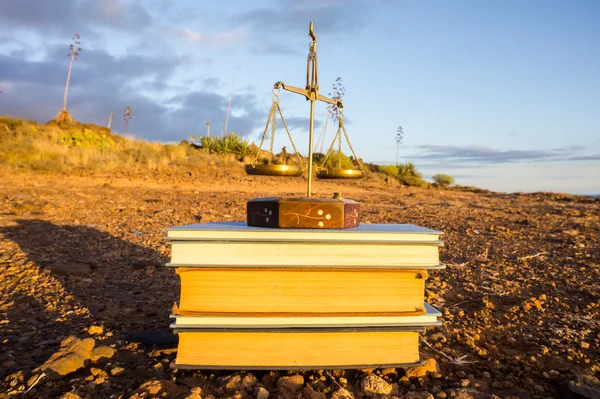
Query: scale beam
[(310, 95)]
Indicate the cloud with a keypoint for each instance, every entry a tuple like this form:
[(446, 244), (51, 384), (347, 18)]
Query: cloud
[(481, 154), (217, 39), (586, 158), (272, 27), (66, 17), (102, 83)]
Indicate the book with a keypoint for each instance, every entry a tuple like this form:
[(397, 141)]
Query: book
[(430, 318), (297, 348), (237, 231), (298, 254), (222, 291), (235, 244)]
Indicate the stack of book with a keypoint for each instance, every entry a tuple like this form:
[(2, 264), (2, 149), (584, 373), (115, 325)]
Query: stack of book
[(261, 298)]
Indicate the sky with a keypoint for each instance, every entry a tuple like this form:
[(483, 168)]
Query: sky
[(503, 95)]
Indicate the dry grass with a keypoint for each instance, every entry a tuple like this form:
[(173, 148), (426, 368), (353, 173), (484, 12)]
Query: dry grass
[(63, 147)]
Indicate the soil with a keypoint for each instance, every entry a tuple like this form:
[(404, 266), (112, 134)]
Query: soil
[(84, 256)]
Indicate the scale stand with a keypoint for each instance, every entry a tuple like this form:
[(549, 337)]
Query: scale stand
[(304, 212)]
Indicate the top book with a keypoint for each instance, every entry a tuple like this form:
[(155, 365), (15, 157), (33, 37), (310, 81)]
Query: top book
[(237, 231)]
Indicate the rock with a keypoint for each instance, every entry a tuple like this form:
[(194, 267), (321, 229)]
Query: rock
[(290, 383), (154, 387), (102, 352), (466, 393), (15, 378), (342, 393), (70, 357), (587, 386), (195, 393), (69, 395), (153, 338), (418, 395), (162, 352), (70, 269), (429, 366), (249, 382), (117, 371), (95, 330), (261, 393), (230, 383), (96, 372), (373, 385), (309, 393)]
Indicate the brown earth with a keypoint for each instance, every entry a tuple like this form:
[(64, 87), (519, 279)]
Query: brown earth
[(84, 257)]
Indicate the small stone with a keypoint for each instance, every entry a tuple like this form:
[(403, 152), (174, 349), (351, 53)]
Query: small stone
[(70, 357), (117, 371), (342, 393), (230, 383), (497, 385), (373, 385), (102, 352), (195, 393), (290, 383), (69, 395), (249, 382), (95, 330), (539, 388), (261, 393), (485, 374), (98, 372), (465, 383), (309, 393), (584, 345), (404, 381), (441, 395), (418, 395), (429, 366)]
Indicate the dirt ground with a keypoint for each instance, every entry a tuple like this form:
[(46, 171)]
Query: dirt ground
[(84, 256)]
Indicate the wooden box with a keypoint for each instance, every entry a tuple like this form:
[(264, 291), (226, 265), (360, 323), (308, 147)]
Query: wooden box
[(305, 213)]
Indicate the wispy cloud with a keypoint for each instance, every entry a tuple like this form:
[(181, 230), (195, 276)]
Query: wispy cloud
[(218, 39), (586, 158), (481, 154)]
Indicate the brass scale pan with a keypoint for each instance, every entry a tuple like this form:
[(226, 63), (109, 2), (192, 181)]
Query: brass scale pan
[(294, 171)]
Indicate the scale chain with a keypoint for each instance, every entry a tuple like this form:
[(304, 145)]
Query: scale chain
[(350, 145), (273, 124), (262, 140), (290, 136)]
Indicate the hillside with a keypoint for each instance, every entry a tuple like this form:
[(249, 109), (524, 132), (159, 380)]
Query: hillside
[(82, 254), (91, 150)]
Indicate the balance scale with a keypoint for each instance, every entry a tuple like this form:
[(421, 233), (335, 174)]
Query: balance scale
[(305, 212)]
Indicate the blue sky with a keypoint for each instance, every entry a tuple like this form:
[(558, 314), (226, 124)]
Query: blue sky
[(503, 95)]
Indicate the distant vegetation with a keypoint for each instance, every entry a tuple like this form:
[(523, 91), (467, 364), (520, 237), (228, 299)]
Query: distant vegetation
[(443, 180), (406, 174), (65, 147), (58, 147), (230, 144)]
